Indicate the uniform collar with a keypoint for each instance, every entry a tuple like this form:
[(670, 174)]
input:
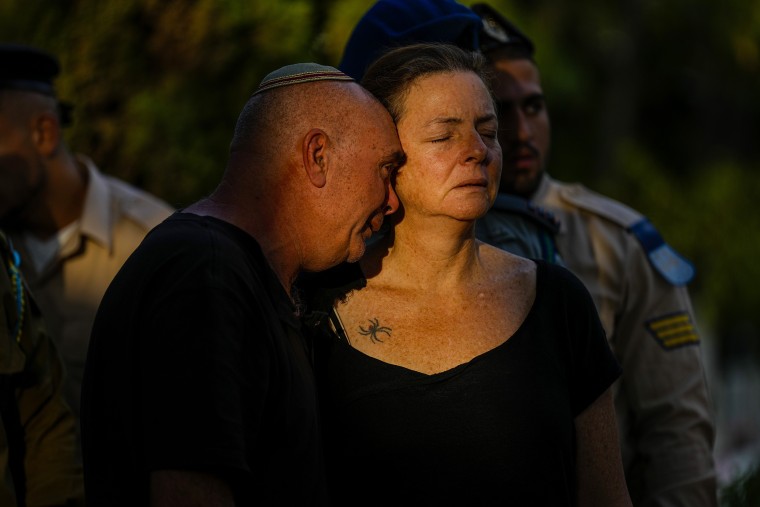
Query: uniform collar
[(95, 221), (543, 189), (542, 195)]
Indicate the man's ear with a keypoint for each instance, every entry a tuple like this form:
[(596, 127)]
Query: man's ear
[(315, 156), (46, 133)]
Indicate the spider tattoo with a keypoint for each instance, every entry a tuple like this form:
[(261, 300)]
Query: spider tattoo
[(374, 330)]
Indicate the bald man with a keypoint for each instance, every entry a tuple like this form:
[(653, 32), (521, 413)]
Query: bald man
[(198, 386)]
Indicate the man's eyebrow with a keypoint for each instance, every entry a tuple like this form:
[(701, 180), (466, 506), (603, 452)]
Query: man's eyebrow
[(532, 96), (486, 118), (397, 158)]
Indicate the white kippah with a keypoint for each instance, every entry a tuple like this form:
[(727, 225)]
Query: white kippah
[(300, 73)]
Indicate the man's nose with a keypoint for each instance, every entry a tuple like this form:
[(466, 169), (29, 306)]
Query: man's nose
[(523, 127), (514, 125), (391, 200)]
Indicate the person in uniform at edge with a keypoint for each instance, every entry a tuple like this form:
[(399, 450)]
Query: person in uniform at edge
[(523, 227), (38, 455), (198, 386), (72, 226), (637, 281), (639, 286)]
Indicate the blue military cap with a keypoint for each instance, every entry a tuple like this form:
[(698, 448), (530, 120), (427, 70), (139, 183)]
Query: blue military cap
[(27, 68), (392, 23)]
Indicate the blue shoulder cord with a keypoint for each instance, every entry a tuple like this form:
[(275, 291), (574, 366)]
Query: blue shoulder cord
[(18, 288), (9, 410)]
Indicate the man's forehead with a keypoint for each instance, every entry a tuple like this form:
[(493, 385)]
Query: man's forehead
[(376, 115), (515, 76), (386, 141), (517, 67), (13, 103)]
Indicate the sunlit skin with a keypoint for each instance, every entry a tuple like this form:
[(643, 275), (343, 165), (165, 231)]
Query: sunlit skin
[(524, 128), (308, 175), (448, 129), (365, 194), (431, 267)]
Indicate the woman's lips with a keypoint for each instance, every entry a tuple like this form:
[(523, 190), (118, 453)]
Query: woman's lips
[(475, 182)]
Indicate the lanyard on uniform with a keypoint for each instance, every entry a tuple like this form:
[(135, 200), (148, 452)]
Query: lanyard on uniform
[(14, 261)]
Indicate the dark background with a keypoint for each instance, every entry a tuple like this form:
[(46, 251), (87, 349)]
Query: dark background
[(653, 102)]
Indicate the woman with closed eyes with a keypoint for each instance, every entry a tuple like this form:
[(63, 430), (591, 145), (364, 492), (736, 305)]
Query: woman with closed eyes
[(453, 372)]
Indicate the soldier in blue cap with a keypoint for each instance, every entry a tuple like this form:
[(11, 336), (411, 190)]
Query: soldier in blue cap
[(72, 225), (637, 281)]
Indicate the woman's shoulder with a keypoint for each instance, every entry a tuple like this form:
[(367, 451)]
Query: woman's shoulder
[(505, 265), (548, 281)]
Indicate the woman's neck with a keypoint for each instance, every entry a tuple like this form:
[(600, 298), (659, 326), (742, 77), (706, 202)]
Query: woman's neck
[(430, 254)]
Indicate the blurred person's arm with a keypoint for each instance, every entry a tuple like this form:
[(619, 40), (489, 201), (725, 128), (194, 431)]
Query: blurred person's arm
[(664, 400)]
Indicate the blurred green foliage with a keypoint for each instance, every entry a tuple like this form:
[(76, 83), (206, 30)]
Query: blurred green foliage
[(744, 491), (654, 103)]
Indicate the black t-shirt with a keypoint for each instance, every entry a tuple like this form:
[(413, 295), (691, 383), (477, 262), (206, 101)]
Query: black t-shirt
[(197, 362), (497, 430)]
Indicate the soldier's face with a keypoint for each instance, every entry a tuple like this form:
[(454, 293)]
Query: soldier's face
[(524, 130), (22, 175)]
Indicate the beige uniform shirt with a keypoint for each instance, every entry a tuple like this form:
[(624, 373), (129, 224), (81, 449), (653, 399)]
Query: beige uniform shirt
[(38, 457), (115, 219), (663, 409)]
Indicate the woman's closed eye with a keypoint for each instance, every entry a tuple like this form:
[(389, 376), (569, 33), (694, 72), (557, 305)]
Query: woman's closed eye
[(488, 133)]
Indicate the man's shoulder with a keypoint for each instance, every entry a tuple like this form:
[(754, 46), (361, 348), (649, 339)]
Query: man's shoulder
[(138, 206), (521, 227), (199, 236), (579, 196), (525, 209), (633, 226), (143, 208), (194, 250)]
